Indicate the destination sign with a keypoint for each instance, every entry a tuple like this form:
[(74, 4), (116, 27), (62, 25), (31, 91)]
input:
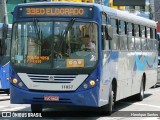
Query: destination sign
[(60, 11)]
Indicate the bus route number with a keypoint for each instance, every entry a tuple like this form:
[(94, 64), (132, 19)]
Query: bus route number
[(69, 87)]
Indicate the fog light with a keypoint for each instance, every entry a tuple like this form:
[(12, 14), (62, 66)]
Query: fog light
[(15, 81), (20, 84), (92, 82), (85, 86)]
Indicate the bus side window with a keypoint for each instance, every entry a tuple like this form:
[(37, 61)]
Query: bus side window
[(150, 44), (130, 36), (148, 33), (143, 38), (152, 34), (155, 44), (137, 38), (123, 38), (115, 41), (149, 40)]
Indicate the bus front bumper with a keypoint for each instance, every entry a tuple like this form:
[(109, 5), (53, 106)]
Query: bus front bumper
[(84, 98)]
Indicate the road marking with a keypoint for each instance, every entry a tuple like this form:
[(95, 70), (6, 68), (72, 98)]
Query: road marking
[(14, 109), (151, 118), (152, 91), (155, 106)]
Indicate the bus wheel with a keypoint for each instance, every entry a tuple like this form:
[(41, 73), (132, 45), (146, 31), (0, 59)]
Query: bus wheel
[(140, 95), (108, 109), (36, 108)]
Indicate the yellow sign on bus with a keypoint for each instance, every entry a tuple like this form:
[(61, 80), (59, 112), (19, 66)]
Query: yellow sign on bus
[(75, 62)]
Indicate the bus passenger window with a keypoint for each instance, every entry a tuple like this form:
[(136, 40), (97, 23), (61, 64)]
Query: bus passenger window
[(137, 38), (114, 25), (152, 33), (130, 37), (155, 44), (114, 41), (150, 44), (123, 38), (143, 38), (148, 33)]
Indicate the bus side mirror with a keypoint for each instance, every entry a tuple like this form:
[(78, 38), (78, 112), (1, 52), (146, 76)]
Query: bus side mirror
[(103, 27), (107, 34), (103, 32), (4, 31)]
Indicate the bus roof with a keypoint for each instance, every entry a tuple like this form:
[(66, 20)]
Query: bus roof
[(117, 14)]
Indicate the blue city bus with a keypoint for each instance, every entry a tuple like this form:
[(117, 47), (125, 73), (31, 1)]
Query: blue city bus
[(5, 39), (49, 66)]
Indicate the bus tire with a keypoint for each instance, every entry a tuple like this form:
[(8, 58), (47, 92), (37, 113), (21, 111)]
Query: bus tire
[(36, 108), (140, 95), (108, 109)]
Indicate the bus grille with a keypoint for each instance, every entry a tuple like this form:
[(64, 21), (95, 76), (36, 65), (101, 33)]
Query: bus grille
[(52, 78)]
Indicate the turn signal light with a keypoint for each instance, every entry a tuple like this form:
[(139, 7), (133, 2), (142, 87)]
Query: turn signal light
[(92, 83)]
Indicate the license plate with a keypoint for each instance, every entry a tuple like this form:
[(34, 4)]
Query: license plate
[(51, 98)]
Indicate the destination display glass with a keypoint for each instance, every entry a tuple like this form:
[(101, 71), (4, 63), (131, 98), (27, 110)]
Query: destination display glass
[(60, 11)]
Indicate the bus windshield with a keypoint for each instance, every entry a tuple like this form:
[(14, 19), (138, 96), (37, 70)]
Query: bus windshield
[(54, 44)]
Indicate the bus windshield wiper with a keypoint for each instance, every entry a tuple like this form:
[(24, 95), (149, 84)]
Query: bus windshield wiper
[(69, 27), (37, 29), (64, 34)]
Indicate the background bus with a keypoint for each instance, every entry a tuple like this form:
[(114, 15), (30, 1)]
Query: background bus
[(49, 66), (5, 39)]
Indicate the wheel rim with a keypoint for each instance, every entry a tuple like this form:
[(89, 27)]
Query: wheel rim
[(112, 99), (142, 90)]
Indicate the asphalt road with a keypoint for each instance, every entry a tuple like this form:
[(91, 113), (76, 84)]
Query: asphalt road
[(148, 109)]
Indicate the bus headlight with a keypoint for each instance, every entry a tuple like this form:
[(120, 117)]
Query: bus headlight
[(92, 83), (15, 81)]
